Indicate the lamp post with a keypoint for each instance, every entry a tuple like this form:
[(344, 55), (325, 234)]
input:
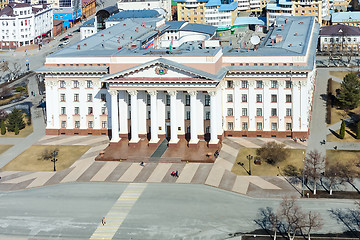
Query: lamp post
[(303, 175), (249, 157), (54, 160)]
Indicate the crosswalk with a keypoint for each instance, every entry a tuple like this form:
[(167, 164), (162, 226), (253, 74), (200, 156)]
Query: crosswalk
[(119, 212)]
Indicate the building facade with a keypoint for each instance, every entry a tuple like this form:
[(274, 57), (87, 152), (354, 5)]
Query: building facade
[(88, 8), (23, 24), (198, 91), (339, 38)]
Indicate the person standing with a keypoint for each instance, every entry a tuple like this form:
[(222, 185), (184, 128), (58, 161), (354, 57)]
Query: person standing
[(103, 221)]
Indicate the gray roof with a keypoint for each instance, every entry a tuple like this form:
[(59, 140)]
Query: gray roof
[(202, 28), (48, 69), (110, 10), (89, 23), (339, 30), (175, 25), (134, 14)]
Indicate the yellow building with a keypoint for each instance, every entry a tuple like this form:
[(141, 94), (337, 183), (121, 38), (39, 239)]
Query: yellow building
[(193, 12), (3, 3)]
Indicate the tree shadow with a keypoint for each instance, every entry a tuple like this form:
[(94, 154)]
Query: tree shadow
[(324, 97), (349, 218), (335, 133), (350, 133)]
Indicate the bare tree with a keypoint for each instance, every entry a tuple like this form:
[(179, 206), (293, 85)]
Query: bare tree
[(312, 221), (347, 172), (15, 69), (332, 179), (5, 91), (314, 165), (268, 221)]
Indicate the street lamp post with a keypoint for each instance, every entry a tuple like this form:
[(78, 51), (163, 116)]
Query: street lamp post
[(54, 160), (303, 175), (249, 157)]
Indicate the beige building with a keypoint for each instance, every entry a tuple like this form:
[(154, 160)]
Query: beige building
[(3, 3), (193, 12)]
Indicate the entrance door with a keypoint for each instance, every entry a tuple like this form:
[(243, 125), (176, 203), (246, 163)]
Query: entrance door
[(168, 132)]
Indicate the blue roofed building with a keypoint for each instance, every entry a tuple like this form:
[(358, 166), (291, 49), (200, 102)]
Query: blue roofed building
[(69, 13), (346, 18)]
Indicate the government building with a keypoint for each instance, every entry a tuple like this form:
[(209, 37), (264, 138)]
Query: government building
[(151, 79)]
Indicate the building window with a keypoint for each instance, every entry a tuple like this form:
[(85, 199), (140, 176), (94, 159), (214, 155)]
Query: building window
[(230, 84), (90, 124), (104, 124), (288, 98), (288, 126), (90, 110), (76, 97), (244, 97), (76, 110), (288, 112), (259, 98), (77, 124), (63, 111), (103, 111), (89, 97), (148, 100), (167, 100), (274, 84), (273, 112), (62, 97), (89, 84), (230, 112), (207, 100), (103, 97), (259, 125), (187, 100), (75, 83), (62, 84), (244, 125), (288, 84), (259, 84), (259, 112), (187, 115), (230, 98), (207, 129), (230, 126), (244, 84), (129, 100), (274, 98), (168, 115), (273, 126), (188, 129), (207, 115), (244, 112), (63, 124)]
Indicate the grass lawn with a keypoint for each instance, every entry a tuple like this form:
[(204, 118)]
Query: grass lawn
[(340, 74), (31, 159), (3, 148), (334, 156), (295, 158), (23, 132)]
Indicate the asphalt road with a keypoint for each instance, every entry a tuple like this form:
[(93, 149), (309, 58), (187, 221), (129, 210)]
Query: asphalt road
[(163, 211)]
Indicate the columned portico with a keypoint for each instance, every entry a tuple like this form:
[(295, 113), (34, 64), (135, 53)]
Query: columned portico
[(114, 116), (213, 120), (154, 118), (134, 117), (194, 140), (123, 110), (173, 119)]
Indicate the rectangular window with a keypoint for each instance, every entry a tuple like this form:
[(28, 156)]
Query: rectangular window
[(244, 84), (230, 84), (207, 115), (148, 100), (244, 125), (90, 124), (63, 124), (273, 112), (77, 124), (149, 115), (90, 110), (230, 126), (103, 97), (89, 97), (230, 112), (62, 97), (62, 84), (259, 112), (273, 126), (63, 110), (167, 100), (259, 98), (207, 100), (230, 98), (187, 115), (76, 97), (76, 110), (288, 84), (288, 112), (187, 100), (244, 97), (288, 98), (104, 124), (75, 83), (259, 84), (207, 129), (288, 126), (259, 125), (244, 112), (103, 111), (274, 84), (274, 98), (89, 84), (168, 115)]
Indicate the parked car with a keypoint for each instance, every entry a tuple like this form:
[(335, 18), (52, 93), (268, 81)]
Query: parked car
[(66, 42), (64, 39), (69, 35), (61, 45)]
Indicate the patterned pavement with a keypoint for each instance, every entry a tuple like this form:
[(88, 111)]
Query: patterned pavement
[(217, 174)]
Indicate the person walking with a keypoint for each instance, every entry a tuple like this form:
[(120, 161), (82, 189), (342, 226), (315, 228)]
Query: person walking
[(177, 174), (103, 221)]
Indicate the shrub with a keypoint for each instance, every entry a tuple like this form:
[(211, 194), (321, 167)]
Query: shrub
[(358, 130), (291, 170), (2, 127), (16, 130), (19, 89), (342, 130), (272, 152), (15, 118)]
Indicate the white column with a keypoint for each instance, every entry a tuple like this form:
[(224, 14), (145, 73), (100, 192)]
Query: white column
[(281, 107), (296, 106), (237, 106), (69, 107), (173, 117), (219, 114), (213, 119), (161, 112), (83, 105), (142, 112), (154, 117), (200, 113), (97, 105), (123, 110), (52, 105), (304, 106), (193, 115), (180, 112), (114, 116), (134, 117), (266, 107), (252, 106)]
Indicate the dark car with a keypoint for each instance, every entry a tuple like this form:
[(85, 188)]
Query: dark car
[(64, 39)]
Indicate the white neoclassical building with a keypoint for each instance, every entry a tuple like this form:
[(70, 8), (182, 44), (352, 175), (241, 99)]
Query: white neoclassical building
[(113, 83)]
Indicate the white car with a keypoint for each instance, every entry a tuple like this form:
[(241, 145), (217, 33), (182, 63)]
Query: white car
[(66, 42)]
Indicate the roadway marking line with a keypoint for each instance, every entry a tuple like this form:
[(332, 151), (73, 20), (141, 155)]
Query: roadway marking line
[(118, 213)]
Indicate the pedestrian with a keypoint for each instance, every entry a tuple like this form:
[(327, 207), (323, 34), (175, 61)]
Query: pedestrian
[(142, 164), (335, 147), (103, 221), (173, 173), (177, 174)]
